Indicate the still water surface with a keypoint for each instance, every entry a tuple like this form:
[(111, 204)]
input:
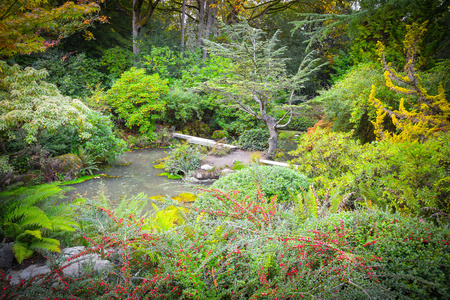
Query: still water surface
[(133, 174)]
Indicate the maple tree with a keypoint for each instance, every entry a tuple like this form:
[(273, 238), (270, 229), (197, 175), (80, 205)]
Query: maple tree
[(33, 26)]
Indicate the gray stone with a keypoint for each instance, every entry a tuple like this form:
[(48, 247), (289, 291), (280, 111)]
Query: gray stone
[(198, 175), (72, 251), (206, 167), (70, 162), (72, 268), (75, 267), (6, 255), (31, 271), (226, 171)]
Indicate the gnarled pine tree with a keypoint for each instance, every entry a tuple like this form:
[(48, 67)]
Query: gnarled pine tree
[(255, 77)]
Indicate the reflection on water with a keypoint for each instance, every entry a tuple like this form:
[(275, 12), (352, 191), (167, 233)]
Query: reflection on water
[(134, 174), (286, 146)]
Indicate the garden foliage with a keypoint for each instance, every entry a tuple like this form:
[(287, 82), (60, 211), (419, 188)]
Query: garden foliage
[(254, 139), (138, 99), (279, 182), (407, 176), (423, 117), (73, 74), (253, 250), (31, 219), (183, 159), (345, 103)]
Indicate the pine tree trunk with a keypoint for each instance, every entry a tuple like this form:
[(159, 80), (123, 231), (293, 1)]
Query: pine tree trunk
[(273, 140)]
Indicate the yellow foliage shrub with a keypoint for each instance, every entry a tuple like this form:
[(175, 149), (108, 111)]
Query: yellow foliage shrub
[(428, 116)]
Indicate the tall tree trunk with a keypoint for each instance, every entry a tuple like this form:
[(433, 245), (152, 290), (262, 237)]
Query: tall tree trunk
[(200, 22), (136, 26), (183, 25), (209, 23), (273, 131)]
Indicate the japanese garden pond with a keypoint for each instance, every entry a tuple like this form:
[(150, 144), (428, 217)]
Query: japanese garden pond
[(132, 173)]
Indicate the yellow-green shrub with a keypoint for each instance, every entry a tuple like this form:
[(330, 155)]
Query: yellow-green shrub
[(137, 98)]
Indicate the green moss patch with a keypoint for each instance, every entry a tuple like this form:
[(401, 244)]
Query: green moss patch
[(170, 176)]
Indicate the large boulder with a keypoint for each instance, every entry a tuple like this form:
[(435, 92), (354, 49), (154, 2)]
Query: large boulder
[(6, 255), (73, 268)]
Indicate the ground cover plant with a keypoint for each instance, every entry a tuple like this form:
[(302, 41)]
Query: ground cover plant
[(284, 183), (255, 250)]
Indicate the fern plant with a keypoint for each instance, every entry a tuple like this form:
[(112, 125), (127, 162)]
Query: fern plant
[(28, 218), (310, 205)]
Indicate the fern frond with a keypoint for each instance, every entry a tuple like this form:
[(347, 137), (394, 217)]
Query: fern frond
[(134, 205), (35, 233), (29, 216), (11, 230), (62, 223), (46, 243), (21, 251)]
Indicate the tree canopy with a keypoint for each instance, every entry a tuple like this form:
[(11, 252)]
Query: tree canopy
[(30, 26)]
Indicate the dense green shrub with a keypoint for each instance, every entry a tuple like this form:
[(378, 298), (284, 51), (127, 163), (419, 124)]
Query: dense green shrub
[(254, 139), (272, 181), (326, 155), (252, 250), (346, 102), (402, 176), (103, 145), (183, 158), (412, 256), (117, 60), (298, 123), (138, 99), (170, 64), (63, 141), (301, 123), (71, 73), (181, 107)]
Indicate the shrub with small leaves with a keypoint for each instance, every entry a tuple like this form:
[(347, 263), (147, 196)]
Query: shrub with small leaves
[(183, 158), (138, 99), (284, 183), (254, 139), (254, 250)]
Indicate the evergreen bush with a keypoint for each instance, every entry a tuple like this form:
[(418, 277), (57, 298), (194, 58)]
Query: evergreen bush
[(138, 99), (284, 183), (407, 176), (183, 158), (254, 139)]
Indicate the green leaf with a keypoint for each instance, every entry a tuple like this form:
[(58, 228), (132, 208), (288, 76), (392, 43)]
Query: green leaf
[(21, 251), (35, 233), (46, 243)]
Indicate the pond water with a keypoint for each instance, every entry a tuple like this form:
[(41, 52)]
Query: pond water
[(131, 174)]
